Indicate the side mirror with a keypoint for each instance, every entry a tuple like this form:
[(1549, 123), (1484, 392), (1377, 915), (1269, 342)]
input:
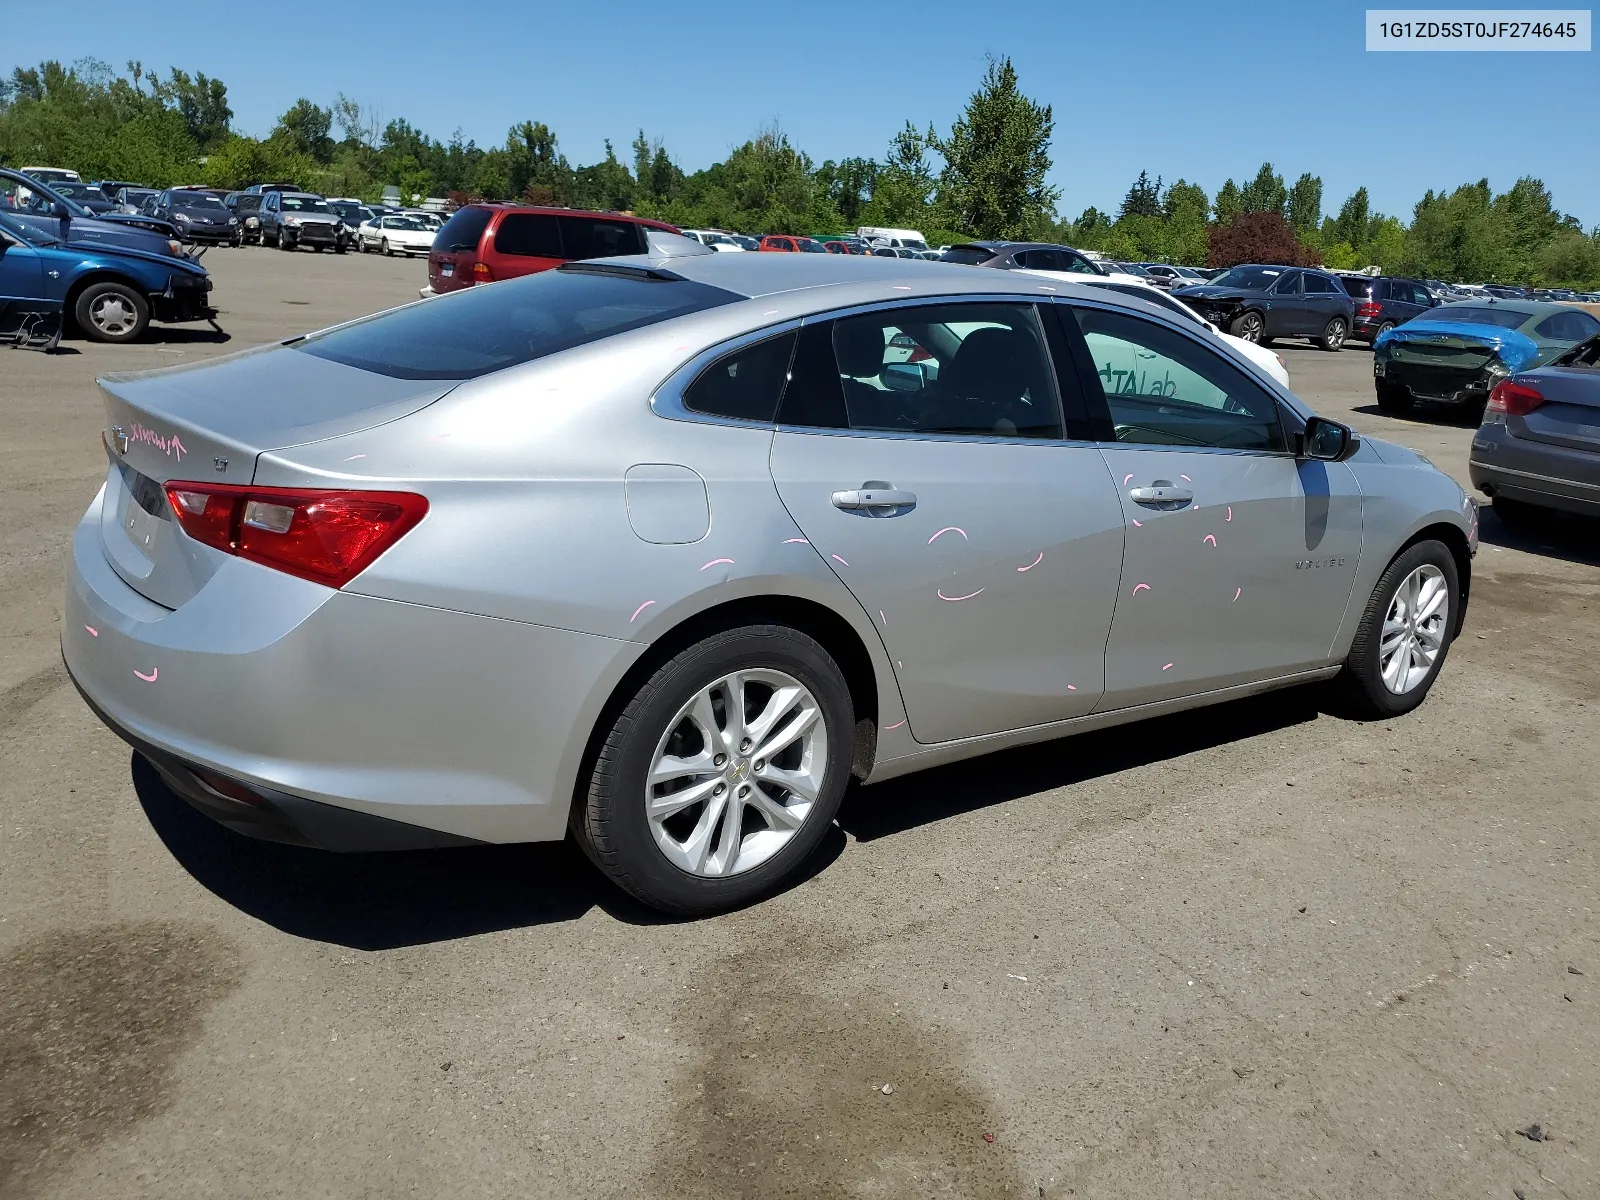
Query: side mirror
[(902, 377), (1328, 441), (58, 209)]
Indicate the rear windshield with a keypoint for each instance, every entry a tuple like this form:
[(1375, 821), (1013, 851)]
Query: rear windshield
[(968, 256), (480, 330), (462, 231), (1503, 317), (1359, 288)]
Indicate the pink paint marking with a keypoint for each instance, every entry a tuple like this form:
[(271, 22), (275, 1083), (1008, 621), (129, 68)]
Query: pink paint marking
[(677, 349), (793, 541), (900, 287), (1237, 592), (1229, 517), (1042, 288), (968, 596), (896, 725), (1195, 507), (1138, 524), (93, 632), (639, 610), (948, 529), (1168, 667), (1070, 688), (770, 312), (1033, 564), (715, 561), (353, 457), (835, 556), (1138, 587), (150, 678), (1185, 478), (883, 618), (1212, 538), (438, 437), (1127, 477)]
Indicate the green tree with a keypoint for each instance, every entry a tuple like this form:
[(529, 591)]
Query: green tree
[(903, 185), (1305, 206), (996, 159), (847, 185), (1143, 198), (1187, 212), (1264, 193), (305, 129), (1350, 226), (202, 102), (1230, 203)]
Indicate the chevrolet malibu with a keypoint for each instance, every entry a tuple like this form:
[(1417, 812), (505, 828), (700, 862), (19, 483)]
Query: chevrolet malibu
[(664, 550)]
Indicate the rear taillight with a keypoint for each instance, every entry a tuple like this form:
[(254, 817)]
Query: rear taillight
[(1514, 399), (1368, 308), (481, 273), (328, 537)]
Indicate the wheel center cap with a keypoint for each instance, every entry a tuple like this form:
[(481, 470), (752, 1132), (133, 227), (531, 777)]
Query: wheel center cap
[(738, 771)]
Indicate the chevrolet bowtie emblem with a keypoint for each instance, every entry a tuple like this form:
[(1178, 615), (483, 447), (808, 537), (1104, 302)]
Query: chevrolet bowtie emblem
[(119, 439)]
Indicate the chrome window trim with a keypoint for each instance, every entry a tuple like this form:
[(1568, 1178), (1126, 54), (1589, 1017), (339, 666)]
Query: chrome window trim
[(667, 400)]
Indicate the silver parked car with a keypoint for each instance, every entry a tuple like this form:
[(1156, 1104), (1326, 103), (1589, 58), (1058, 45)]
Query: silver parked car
[(663, 550), (1539, 445)]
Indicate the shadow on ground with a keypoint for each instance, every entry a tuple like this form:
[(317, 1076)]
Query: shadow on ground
[(929, 796), (399, 898), (1551, 534)]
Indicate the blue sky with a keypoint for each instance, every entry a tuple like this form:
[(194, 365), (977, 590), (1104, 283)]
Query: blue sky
[(1201, 91)]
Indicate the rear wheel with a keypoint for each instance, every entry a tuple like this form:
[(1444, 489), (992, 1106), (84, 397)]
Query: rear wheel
[(1395, 398), (722, 774), (1250, 326), (111, 312), (1405, 632), (1333, 334), (1382, 329)]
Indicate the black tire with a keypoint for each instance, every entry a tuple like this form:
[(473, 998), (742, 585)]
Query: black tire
[(1381, 330), (283, 240), (1361, 681), (316, 249), (1333, 334), (1251, 326), (1395, 398), (387, 252), (111, 312), (340, 248), (610, 822)]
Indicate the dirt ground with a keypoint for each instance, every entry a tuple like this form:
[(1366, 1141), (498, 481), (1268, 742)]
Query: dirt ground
[(1258, 951)]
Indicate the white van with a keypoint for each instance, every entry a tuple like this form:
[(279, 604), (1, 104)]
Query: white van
[(896, 239)]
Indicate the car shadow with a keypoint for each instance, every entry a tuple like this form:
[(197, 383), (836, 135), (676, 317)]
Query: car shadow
[(399, 898), (935, 795), (1430, 414), (1550, 534), (186, 334)]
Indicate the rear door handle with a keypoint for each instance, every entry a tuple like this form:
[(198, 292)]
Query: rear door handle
[(1160, 494), (873, 495)]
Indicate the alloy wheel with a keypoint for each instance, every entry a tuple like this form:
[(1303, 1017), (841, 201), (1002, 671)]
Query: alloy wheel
[(1334, 334), (1414, 629), (113, 315), (1250, 328), (737, 772)]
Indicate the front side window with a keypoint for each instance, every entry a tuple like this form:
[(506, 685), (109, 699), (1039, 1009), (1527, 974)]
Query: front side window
[(1318, 284), (964, 369), (1288, 285), (1165, 389), (746, 384)]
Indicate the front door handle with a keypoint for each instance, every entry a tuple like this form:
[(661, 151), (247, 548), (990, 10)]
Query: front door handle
[(873, 495), (1161, 493)]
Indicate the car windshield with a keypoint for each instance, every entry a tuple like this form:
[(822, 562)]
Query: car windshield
[(305, 204), (480, 330), (1253, 278), (346, 209), (403, 223), (136, 195), (79, 191), (196, 200), (1474, 315), (811, 247)]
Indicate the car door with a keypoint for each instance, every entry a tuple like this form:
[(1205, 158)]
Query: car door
[(22, 280), (1286, 307), (1240, 558), (1324, 299), (939, 489)]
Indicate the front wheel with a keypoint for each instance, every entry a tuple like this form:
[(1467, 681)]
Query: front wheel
[(723, 773), (111, 312), (387, 253), (340, 248), (1251, 326), (1333, 334), (1405, 632)]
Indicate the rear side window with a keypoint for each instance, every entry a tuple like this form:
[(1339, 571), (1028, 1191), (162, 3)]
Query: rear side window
[(1571, 326), (596, 237), (745, 385), (462, 231), (535, 235), (480, 330)]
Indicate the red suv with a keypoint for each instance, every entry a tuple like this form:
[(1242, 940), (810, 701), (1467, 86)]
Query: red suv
[(784, 244), (485, 242)]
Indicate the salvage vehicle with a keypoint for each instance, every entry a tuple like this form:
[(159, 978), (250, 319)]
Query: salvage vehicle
[(1538, 448), (1384, 301), (247, 207), (289, 220), (1045, 257), (39, 205), (481, 243), (132, 199), (395, 235), (201, 218), (1457, 353), (111, 292), (665, 549), (86, 194), (1260, 302), (352, 214)]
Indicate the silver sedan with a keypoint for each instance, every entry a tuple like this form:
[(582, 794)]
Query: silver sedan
[(664, 550)]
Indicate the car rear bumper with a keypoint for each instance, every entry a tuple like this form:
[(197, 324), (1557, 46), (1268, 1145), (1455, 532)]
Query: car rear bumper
[(1535, 472), (422, 717)]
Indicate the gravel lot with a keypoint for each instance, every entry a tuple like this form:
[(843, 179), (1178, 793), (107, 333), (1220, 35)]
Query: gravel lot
[(1254, 951)]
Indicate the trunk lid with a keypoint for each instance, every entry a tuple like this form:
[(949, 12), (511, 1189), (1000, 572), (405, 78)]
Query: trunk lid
[(1570, 414), (208, 422)]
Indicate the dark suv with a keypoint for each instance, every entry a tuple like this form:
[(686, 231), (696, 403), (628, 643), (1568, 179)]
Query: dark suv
[(1384, 301), (1260, 302), (485, 242), (1030, 256)]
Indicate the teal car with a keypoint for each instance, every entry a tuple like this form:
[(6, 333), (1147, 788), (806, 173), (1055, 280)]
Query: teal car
[(1456, 353), (111, 292)]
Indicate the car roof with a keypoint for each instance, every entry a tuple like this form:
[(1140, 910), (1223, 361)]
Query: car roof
[(1533, 308)]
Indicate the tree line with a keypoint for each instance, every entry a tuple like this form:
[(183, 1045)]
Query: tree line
[(983, 178)]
